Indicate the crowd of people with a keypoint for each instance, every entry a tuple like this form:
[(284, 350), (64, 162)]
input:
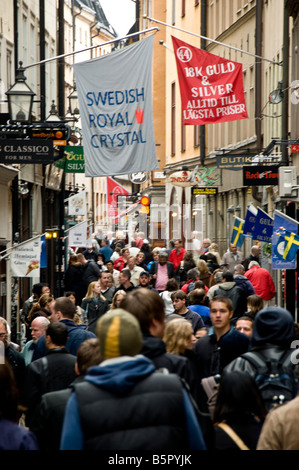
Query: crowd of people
[(137, 325)]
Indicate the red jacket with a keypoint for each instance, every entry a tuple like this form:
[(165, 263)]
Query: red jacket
[(176, 258), (262, 282)]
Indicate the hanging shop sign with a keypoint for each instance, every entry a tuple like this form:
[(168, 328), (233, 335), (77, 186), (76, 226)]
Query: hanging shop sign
[(74, 159), (234, 162), (207, 191), (26, 151), (260, 175)]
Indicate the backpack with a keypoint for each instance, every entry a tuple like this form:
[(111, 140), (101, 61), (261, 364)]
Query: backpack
[(276, 378)]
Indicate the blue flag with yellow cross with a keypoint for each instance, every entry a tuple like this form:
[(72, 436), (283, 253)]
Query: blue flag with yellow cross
[(238, 236)]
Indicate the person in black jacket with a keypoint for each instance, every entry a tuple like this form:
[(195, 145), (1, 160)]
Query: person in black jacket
[(94, 305), (124, 404), (73, 279), (90, 272), (237, 294), (54, 371), (148, 307), (47, 419)]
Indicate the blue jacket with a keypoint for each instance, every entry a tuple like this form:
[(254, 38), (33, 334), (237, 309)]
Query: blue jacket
[(15, 437), (76, 335), (120, 376)]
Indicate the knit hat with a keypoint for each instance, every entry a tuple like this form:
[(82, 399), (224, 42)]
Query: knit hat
[(119, 334), (273, 325)]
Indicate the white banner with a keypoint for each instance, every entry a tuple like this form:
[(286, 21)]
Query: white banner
[(25, 259), (77, 204), (78, 235), (115, 101)]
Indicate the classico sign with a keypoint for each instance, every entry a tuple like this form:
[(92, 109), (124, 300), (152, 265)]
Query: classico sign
[(26, 151)]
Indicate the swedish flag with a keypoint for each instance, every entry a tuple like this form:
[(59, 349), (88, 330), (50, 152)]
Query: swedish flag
[(238, 234), (287, 245)]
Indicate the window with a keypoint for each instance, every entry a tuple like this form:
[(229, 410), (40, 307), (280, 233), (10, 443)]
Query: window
[(196, 136)]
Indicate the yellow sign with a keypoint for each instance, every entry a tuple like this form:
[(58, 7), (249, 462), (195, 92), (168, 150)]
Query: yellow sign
[(207, 191)]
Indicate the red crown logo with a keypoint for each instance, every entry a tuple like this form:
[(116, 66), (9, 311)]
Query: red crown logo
[(139, 115)]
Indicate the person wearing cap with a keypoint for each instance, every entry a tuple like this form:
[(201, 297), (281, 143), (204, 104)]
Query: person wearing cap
[(122, 404), (144, 280)]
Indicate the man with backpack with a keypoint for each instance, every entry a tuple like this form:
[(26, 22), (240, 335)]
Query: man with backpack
[(271, 359)]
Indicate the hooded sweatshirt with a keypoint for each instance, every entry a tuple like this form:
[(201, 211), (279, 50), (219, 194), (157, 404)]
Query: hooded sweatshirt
[(120, 376)]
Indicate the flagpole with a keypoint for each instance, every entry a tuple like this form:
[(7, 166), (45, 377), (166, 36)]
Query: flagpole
[(212, 40), (61, 56)]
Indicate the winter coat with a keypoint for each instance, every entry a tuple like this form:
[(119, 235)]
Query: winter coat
[(113, 391), (94, 308), (91, 273), (235, 294), (73, 282), (262, 282), (47, 420), (244, 283), (212, 355), (154, 349), (280, 429), (176, 257), (76, 335), (228, 260), (15, 437), (55, 371)]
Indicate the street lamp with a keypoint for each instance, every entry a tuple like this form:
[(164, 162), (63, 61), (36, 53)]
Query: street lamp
[(20, 98), (53, 116), (74, 102)]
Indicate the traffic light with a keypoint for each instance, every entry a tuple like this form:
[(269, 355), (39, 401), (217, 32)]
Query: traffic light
[(51, 233), (145, 202)]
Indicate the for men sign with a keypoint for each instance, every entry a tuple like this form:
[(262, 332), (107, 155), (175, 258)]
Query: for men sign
[(26, 151), (260, 175)]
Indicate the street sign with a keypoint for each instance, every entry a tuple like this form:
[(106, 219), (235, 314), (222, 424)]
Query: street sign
[(26, 151)]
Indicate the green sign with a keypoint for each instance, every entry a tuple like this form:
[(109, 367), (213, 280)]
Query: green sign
[(74, 159)]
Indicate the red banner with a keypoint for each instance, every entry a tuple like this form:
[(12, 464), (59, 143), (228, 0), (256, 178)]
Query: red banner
[(114, 190), (211, 87)]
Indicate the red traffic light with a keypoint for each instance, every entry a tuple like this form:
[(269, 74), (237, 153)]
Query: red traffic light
[(145, 201)]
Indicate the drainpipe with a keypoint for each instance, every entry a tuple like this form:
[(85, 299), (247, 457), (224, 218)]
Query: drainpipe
[(258, 73), (203, 47), (42, 57)]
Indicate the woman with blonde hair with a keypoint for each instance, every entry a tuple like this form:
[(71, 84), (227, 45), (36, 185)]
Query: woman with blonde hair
[(178, 336), (204, 271), (94, 305), (179, 339), (117, 298), (213, 248)]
